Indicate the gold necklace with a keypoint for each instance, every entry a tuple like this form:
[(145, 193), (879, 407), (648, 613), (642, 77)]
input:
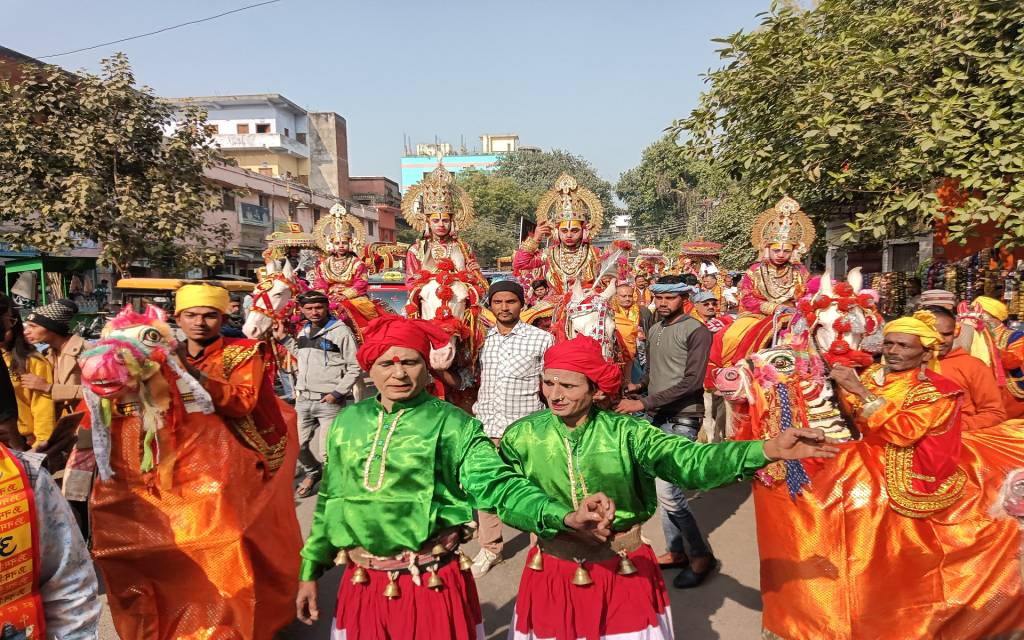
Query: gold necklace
[(570, 261), (779, 284), (572, 476), (341, 274), (383, 453), (439, 250)]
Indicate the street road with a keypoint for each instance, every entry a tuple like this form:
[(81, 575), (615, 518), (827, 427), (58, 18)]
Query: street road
[(727, 606)]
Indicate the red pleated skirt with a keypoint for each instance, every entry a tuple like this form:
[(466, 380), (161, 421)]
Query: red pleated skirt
[(450, 613), (634, 607)]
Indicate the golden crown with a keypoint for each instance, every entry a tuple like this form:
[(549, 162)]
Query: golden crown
[(783, 224), (437, 193), (337, 225), (567, 201)]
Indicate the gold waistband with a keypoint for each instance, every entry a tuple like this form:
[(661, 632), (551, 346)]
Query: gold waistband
[(568, 547), (439, 550)]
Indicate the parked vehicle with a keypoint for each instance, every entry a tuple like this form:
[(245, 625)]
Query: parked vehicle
[(389, 289)]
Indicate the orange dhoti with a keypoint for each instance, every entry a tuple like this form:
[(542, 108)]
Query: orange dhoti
[(840, 562), (206, 545)]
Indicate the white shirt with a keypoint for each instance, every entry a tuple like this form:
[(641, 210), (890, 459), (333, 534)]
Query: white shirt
[(510, 373)]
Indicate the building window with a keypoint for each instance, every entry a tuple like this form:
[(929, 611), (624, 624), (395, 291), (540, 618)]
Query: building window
[(293, 209), (262, 128), (265, 201), (300, 137), (286, 132), (254, 214), (266, 171), (369, 227), (316, 215), (227, 200), (242, 128)]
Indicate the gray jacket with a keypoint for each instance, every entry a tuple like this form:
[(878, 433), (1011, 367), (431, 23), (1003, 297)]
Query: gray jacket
[(326, 359), (678, 362)]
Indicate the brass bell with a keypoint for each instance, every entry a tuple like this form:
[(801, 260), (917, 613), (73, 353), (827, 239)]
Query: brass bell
[(465, 564), (626, 566), (537, 562), (466, 534), (341, 558), (438, 550), (392, 591), (434, 581), (359, 576), (582, 577)]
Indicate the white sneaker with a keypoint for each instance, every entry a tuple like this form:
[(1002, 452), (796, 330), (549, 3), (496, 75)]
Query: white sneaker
[(484, 561)]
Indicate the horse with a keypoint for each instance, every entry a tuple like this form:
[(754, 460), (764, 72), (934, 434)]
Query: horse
[(587, 313), (159, 448), (271, 299), (837, 560)]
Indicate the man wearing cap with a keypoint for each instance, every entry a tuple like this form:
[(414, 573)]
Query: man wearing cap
[(938, 298), (571, 590), (679, 348), (511, 360), (982, 401), (402, 473), (325, 372), (51, 325)]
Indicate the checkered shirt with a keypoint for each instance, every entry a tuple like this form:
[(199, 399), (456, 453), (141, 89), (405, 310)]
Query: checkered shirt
[(510, 370)]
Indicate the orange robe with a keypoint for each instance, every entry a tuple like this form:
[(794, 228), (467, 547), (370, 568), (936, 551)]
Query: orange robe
[(893, 538), (982, 400), (215, 554), (1011, 346), (627, 323)]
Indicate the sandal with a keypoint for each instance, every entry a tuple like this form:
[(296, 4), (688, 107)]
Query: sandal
[(305, 488)]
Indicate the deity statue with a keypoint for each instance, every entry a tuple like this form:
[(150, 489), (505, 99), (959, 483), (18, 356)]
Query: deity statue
[(341, 272), (575, 213), (782, 235), (438, 208)]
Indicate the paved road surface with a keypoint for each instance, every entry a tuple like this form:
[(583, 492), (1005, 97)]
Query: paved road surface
[(727, 606)]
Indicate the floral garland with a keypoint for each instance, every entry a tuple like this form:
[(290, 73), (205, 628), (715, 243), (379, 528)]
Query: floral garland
[(845, 299)]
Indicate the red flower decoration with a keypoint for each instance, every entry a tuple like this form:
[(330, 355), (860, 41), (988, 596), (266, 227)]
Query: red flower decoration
[(843, 289), (839, 348), (842, 325), (865, 301), (822, 303), (846, 304), (805, 306)]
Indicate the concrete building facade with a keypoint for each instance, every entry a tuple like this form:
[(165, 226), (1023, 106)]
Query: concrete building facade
[(492, 145)]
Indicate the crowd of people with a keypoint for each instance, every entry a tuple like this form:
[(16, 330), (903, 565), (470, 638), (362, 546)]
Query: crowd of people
[(561, 402)]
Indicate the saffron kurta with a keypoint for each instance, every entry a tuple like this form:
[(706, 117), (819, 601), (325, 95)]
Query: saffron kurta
[(982, 400), (620, 456), (893, 539), (214, 554)]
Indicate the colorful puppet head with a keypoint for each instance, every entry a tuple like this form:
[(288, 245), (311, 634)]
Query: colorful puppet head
[(130, 352)]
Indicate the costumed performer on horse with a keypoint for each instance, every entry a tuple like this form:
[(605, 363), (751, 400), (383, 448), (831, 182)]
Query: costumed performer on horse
[(782, 235), (341, 272), (576, 214)]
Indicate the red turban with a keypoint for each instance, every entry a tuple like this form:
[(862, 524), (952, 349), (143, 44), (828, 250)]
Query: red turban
[(583, 355), (389, 331)]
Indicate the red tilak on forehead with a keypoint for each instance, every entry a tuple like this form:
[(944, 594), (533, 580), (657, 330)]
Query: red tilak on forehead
[(396, 359)]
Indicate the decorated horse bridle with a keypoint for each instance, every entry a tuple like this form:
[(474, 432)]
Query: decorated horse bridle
[(593, 303), (261, 296), (845, 299), (445, 276)]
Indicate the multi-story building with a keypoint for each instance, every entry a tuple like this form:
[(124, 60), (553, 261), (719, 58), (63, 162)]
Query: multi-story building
[(270, 135), (254, 205), (383, 195), (425, 158)]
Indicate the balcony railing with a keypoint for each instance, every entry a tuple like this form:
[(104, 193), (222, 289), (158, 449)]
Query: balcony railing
[(274, 142)]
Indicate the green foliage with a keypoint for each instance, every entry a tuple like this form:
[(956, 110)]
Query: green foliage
[(672, 198), (85, 158), (536, 173), (864, 108), (499, 203)]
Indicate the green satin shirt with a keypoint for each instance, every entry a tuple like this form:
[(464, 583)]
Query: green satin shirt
[(439, 466), (621, 456)]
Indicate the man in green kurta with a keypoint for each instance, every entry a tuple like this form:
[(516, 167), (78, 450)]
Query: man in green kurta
[(572, 589), (402, 474)]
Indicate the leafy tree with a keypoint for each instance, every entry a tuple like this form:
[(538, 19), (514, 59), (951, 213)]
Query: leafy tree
[(499, 203), (87, 157), (536, 172), (655, 190), (893, 112)]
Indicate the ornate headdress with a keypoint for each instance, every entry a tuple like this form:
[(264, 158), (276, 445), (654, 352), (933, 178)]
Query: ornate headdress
[(700, 248), (335, 226), (568, 201), (783, 224), (291, 235), (437, 193), (650, 260)]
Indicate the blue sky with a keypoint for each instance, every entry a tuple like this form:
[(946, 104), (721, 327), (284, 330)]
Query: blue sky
[(600, 78)]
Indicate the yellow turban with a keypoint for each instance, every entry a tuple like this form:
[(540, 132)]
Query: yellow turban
[(921, 324), (201, 295), (992, 307)]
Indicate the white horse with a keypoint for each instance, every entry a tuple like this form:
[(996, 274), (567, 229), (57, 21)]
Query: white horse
[(590, 314), (270, 297)]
